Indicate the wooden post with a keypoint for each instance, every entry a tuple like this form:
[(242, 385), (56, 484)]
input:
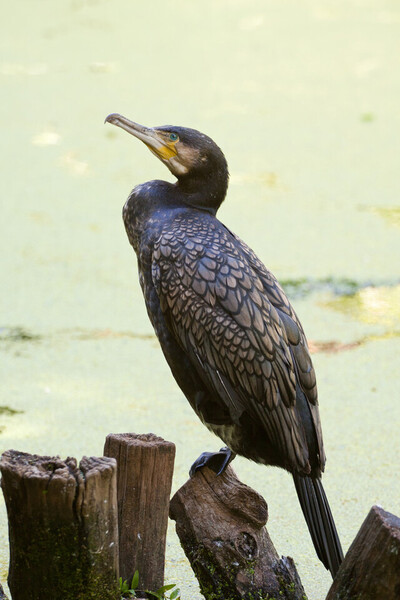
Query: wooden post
[(220, 523), (145, 468), (63, 527), (371, 567)]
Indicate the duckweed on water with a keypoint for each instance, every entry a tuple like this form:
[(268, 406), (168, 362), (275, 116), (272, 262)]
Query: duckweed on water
[(17, 334), (9, 412), (390, 214), (302, 287), (372, 305)]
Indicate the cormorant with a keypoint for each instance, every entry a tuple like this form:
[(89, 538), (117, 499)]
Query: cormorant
[(228, 332)]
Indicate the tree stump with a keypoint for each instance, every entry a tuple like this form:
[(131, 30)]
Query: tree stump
[(63, 527), (371, 567), (145, 468), (220, 523)]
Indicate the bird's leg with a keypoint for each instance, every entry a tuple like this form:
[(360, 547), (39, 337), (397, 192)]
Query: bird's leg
[(217, 461)]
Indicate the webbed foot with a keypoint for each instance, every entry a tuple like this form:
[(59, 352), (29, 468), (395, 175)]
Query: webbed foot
[(217, 461)]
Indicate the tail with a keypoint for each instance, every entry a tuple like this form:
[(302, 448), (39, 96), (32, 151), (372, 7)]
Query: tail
[(321, 525)]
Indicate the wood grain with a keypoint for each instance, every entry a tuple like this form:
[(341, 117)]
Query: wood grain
[(371, 567), (145, 468), (63, 527), (221, 525)]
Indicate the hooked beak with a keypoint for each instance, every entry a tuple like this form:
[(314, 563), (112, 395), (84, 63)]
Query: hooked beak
[(153, 139)]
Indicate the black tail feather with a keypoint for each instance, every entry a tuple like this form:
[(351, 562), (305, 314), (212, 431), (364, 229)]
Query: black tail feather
[(321, 525)]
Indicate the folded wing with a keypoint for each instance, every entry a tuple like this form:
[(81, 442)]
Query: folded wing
[(235, 323)]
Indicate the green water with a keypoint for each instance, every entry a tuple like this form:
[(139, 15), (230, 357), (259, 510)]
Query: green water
[(303, 97)]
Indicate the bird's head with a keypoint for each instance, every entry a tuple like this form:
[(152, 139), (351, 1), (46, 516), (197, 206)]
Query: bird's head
[(193, 157)]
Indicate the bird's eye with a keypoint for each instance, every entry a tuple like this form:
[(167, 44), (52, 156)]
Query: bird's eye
[(173, 137)]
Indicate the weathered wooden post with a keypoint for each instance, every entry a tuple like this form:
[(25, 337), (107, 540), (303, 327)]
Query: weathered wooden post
[(371, 567), (220, 523), (145, 468), (63, 527)]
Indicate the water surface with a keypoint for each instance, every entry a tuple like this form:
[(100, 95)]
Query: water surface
[(303, 99)]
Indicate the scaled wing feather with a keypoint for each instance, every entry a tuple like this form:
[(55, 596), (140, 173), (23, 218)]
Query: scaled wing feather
[(216, 304)]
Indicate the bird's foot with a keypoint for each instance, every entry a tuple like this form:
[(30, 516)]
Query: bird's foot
[(217, 461)]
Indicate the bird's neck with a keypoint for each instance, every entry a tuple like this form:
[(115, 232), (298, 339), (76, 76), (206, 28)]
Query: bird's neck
[(206, 192)]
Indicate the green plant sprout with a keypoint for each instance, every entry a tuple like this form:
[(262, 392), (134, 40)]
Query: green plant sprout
[(129, 591), (160, 593)]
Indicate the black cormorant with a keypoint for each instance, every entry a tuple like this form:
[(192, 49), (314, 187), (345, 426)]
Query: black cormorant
[(228, 332)]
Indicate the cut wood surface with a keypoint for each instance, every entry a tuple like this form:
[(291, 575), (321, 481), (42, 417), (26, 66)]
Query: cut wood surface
[(220, 523), (63, 528), (371, 567), (145, 469)]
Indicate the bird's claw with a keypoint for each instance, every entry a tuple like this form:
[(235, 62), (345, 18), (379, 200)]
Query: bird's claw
[(217, 461)]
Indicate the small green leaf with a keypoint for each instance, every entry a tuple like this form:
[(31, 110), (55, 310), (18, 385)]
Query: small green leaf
[(135, 580), (175, 594), (155, 594), (165, 588)]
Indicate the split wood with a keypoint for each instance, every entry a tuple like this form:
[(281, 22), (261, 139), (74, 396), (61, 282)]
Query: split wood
[(63, 527), (145, 468), (220, 523)]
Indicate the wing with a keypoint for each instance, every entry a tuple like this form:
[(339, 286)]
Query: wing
[(216, 305), (305, 373), (293, 327)]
